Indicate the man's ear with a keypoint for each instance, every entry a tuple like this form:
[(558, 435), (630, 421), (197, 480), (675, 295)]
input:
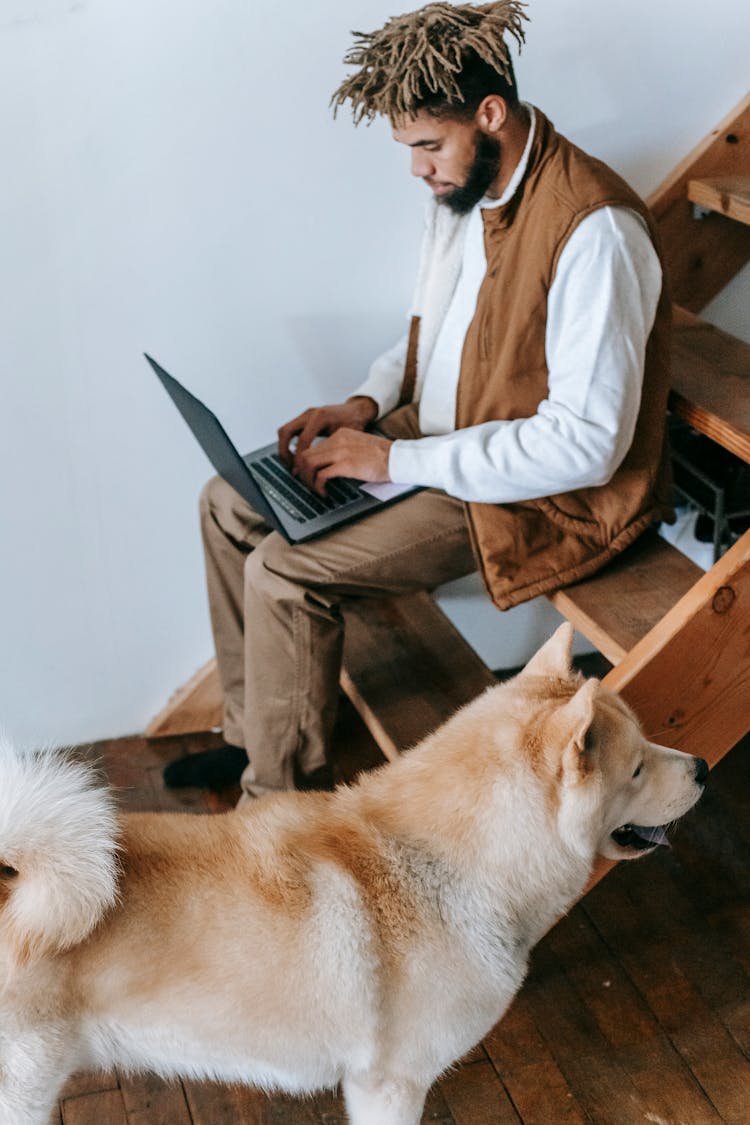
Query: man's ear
[(553, 658), (491, 114), (575, 720)]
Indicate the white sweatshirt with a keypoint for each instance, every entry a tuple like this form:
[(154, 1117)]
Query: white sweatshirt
[(601, 308)]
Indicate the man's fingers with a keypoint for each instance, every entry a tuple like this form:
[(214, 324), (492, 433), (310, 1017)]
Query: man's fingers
[(317, 423), (309, 463), (306, 427), (326, 473), (285, 435), (321, 463), (348, 453), (319, 420)]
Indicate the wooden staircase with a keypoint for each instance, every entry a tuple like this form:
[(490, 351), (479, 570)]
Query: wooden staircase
[(678, 638), (723, 195)]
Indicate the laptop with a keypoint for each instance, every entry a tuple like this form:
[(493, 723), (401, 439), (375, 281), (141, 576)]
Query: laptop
[(265, 482)]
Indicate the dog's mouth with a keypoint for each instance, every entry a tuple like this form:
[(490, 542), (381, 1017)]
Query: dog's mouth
[(639, 838)]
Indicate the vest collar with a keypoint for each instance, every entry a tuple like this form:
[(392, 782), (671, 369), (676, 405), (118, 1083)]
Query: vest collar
[(498, 219)]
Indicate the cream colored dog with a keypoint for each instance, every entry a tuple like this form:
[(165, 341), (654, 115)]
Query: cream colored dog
[(368, 937)]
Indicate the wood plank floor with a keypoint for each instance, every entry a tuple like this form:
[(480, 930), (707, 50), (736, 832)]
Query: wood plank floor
[(637, 1007)]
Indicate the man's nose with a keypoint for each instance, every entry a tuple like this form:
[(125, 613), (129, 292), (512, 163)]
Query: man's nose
[(421, 165)]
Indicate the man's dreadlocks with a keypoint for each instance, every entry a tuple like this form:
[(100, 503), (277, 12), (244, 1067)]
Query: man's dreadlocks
[(420, 60)]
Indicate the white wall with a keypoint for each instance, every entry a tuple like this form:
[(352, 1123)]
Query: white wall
[(172, 181)]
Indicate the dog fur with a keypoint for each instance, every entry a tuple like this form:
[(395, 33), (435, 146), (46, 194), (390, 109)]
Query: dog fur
[(368, 937)]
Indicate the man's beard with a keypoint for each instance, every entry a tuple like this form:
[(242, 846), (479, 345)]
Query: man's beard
[(483, 172)]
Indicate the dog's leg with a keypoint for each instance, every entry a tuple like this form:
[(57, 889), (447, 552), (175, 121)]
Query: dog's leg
[(385, 1102), (34, 1066)]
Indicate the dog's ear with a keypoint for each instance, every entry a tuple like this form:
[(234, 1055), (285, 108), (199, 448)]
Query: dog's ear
[(575, 719), (553, 658)]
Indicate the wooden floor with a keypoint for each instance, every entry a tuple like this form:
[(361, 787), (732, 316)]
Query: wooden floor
[(637, 1007)]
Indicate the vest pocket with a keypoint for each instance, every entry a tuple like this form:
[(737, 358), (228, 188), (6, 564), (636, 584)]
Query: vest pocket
[(580, 524)]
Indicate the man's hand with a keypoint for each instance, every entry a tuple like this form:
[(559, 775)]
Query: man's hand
[(348, 453), (354, 414)]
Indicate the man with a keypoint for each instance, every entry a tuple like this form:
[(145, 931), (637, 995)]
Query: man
[(529, 396)]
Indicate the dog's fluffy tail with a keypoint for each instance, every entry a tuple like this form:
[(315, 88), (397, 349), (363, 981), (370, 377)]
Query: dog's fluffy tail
[(58, 852)]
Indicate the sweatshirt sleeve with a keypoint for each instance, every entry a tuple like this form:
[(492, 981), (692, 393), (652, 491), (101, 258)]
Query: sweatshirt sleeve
[(383, 383), (601, 308)]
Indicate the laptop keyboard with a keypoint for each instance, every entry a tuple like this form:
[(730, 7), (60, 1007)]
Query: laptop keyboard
[(294, 497)]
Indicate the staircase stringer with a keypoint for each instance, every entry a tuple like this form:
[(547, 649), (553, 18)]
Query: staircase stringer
[(704, 255), (688, 680)]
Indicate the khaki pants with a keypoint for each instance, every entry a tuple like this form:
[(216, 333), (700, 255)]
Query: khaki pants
[(275, 611)]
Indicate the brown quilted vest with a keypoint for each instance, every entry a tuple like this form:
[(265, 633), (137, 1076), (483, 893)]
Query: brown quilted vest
[(534, 547)]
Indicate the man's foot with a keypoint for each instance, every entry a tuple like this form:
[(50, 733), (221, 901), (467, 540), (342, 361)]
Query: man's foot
[(319, 779), (209, 769)]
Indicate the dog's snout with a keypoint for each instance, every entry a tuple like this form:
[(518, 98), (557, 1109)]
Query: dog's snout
[(701, 771)]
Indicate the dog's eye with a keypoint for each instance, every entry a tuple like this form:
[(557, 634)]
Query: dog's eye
[(638, 770), (7, 872)]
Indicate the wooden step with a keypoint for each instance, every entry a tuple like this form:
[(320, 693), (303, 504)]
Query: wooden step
[(688, 680), (703, 257), (195, 707), (622, 603), (725, 195), (711, 382), (407, 668)]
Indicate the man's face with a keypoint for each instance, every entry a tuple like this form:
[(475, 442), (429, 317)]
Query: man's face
[(454, 158)]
